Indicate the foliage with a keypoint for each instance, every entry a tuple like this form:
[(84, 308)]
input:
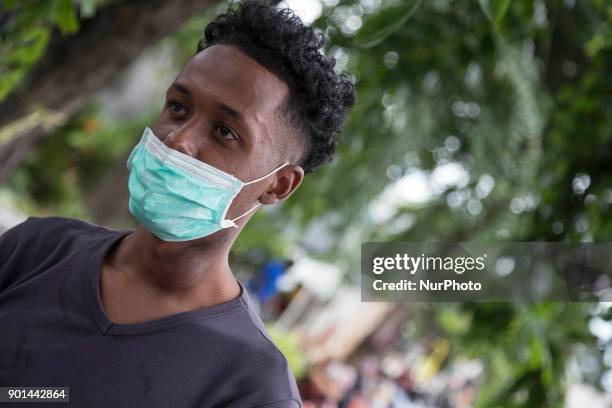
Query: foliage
[(525, 347), (81, 153), (27, 27), (504, 92)]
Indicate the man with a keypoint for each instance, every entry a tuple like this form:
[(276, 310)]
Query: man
[(154, 317)]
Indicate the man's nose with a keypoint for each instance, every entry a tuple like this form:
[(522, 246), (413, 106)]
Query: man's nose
[(183, 140)]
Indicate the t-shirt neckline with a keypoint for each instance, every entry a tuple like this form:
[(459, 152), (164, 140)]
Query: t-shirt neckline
[(151, 326)]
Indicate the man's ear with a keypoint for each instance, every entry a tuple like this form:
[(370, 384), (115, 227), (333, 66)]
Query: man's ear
[(287, 180)]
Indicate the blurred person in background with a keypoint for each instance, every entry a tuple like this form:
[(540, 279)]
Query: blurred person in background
[(264, 285)]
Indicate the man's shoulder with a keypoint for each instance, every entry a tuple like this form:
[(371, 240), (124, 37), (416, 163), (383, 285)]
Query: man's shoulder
[(58, 229), (286, 403), (56, 222), (260, 344), (38, 242), (47, 233), (265, 373), (265, 364)]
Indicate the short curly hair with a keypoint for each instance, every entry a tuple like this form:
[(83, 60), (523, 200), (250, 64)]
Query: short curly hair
[(277, 39)]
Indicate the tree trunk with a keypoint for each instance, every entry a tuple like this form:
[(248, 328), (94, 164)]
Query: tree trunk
[(76, 67)]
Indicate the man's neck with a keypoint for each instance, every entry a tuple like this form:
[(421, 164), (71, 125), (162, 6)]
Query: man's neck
[(179, 275)]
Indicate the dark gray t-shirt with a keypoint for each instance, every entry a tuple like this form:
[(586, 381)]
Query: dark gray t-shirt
[(54, 332)]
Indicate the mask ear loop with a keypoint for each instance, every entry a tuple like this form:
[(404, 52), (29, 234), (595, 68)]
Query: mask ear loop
[(267, 175), (230, 223)]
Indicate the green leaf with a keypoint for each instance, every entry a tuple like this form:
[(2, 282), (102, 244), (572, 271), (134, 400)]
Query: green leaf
[(29, 48), (65, 17), (386, 22), (88, 8), (600, 40), (494, 9), (9, 80)]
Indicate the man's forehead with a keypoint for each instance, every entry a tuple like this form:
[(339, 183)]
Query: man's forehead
[(229, 74)]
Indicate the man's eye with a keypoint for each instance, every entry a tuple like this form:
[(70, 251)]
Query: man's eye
[(176, 108), (225, 132)]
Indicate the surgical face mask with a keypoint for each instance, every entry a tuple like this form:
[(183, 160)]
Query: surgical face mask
[(177, 197)]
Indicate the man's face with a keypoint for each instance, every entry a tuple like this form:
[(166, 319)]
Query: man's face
[(222, 110)]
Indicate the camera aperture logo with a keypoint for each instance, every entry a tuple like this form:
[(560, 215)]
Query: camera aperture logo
[(422, 265)]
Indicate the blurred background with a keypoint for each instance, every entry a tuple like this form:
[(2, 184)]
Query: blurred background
[(476, 120)]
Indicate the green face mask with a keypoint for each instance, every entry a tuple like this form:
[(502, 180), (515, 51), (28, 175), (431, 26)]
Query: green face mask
[(177, 197)]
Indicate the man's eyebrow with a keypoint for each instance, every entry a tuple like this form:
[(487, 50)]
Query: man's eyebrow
[(234, 113), (181, 88)]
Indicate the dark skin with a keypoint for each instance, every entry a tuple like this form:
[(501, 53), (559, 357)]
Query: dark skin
[(222, 109)]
